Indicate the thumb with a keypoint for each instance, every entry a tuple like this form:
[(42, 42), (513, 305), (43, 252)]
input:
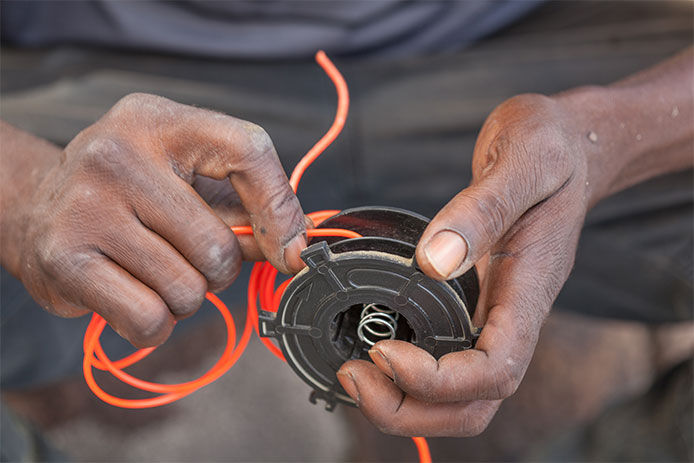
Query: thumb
[(471, 223)]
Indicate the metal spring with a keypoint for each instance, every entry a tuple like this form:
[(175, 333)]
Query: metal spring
[(377, 323)]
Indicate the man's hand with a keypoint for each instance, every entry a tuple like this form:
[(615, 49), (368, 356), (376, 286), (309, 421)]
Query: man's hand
[(522, 213), (116, 227), (539, 164)]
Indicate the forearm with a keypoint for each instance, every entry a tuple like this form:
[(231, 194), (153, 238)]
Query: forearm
[(26, 160), (637, 128)]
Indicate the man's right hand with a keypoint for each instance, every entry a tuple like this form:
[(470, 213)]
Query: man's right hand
[(116, 227)]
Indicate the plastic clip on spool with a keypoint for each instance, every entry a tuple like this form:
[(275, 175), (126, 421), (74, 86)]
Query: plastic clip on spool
[(355, 292)]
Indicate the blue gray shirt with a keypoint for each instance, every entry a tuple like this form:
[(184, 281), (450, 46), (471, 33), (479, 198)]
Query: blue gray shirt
[(260, 29)]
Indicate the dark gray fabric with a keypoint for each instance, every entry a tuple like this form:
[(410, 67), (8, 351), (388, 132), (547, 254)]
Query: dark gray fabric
[(27, 331), (20, 441), (656, 427), (261, 29)]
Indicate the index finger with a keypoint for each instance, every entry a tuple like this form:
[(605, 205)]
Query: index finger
[(199, 141), (244, 153)]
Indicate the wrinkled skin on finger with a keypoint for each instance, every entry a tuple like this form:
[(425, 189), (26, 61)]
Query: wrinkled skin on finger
[(133, 222), (520, 218)]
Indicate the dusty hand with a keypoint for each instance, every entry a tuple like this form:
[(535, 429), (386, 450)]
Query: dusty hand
[(117, 228), (521, 218)]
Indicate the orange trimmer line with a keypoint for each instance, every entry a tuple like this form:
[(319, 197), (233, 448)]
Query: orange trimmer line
[(422, 449), (263, 274), (338, 122), (260, 287)]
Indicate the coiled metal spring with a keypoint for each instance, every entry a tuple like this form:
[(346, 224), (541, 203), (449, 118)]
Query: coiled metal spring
[(377, 323)]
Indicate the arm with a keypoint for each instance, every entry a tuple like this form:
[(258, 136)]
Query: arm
[(642, 125), (540, 163), (26, 160), (114, 223)]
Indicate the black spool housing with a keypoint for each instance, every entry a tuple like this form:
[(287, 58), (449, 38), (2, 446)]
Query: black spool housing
[(316, 323)]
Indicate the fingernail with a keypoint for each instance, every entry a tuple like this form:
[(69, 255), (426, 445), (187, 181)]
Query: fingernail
[(292, 253), (349, 385), (445, 252), (381, 362)]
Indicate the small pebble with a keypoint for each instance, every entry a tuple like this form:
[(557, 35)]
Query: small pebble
[(638, 137), (675, 112), (592, 136)]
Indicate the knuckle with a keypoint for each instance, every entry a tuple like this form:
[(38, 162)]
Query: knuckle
[(220, 258), (65, 309), (134, 103), (277, 198), (430, 388), (186, 293), (106, 154), (151, 322), (494, 209), (523, 104), (486, 211), (505, 383), (282, 202), (54, 273), (220, 250), (133, 99), (505, 388), (141, 118), (555, 162), (58, 256), (259, 144), (255, 149), (531, 140), (387, 425), (529, 137), (476, 424), (49, 249)]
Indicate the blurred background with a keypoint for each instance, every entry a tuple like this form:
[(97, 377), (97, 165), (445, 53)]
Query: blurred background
[(598, 389)]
